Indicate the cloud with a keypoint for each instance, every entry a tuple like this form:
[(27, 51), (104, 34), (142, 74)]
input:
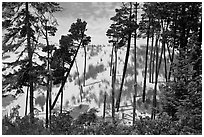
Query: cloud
[(96, 14), (87, 9)]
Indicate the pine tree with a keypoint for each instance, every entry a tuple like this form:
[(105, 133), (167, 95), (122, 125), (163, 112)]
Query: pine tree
[(70, 45), (22, 31)]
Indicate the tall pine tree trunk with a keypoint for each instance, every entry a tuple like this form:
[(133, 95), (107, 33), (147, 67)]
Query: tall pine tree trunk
[(104, 106), (84, 64), (156, 68), (164, 44), (50, 97), (135, 70), (146, 59), (30, 54), (61, 105), (113, 84), (111, 61), (165, 64), (47, 108), (151, 60), (80, 85), (154, 56), (26, 106)]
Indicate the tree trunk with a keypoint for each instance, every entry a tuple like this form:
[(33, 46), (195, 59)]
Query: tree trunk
[(30, 54), (61, 105), (84, 64), (50, 98), (165, 64), (135, 70), (113, 95), (144, 86), (151, 60), (126, 63), (81, 88), (47, 110), (26, 106), (164, 43), (104, 106), (156, 68), (113, 85), (111, 61)]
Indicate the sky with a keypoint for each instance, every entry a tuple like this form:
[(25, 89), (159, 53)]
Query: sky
[(96, 14)]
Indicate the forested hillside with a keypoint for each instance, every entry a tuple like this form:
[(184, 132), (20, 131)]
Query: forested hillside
[(147, 80)]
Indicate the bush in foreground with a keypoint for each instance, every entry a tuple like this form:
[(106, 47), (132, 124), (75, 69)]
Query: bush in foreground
[(89, 124)]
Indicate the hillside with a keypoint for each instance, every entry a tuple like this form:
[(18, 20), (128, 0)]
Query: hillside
[(98, 81)]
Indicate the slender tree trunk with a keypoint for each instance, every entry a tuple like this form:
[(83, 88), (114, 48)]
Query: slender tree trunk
[(160, 59), (26, 106), (165, 64), (113, 84), (126, 63), (116, 61), (111, 61), (145, 77), (104, 106), (48, 81), (113, 95), (61, 105), (84, 64), (30, 54), (50, 97), (135, 70), (164, 44), (47, 110), (151, 60), (81, 88), (153, 66), (156, 68)]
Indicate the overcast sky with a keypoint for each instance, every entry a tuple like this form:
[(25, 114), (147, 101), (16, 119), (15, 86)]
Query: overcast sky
[(96, 14)]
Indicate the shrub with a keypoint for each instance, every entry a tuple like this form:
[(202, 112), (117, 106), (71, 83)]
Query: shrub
[(23, 126), (89, 124), (61, 123)]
